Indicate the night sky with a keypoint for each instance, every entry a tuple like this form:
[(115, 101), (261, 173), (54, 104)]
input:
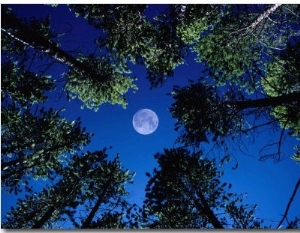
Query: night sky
[(268, 184)]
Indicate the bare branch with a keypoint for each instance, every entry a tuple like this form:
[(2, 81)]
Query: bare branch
[(289, 204), (258, 126), (276, 155)]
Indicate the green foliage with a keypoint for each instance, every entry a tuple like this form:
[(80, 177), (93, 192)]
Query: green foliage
[(165, 49), (10, 43), (32, 144), (109, 86), (109, 221), (119, 219), (231, 57), (103, 186), (274, 84), (30, 209), (124, 27), (12, 47), (288, 116), (222, 50), (18, 32), (204, 115), (128, 35), (246, 50), (125, 30), (99, 75), (17, 84), (282, 77), (296, 156), (195, 20), (243, 215), (166, 197), (235, 47)]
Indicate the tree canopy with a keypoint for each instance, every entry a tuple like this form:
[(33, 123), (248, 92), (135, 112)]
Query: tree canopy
[(252, 73), (245, 48), (251, 59)]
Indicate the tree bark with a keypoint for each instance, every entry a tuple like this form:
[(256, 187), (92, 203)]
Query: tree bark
[(264, 15), (13, 27), (58, 205), (209, 213), (205, 208), (88, 220), (259, 19)]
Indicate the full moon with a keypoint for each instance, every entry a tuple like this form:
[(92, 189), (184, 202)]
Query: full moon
[(145, 121)]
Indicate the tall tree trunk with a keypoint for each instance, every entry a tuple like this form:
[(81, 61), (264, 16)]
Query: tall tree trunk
[(46, 153), (204, 207), (209, 213), (27, 219), (13, 27), (15, 172), (88, 220), (264, 15), (39, 224), (56, 206)]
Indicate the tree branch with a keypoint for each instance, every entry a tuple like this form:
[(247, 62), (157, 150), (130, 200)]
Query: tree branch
[(289, 204), (265, 102), (276, 155)]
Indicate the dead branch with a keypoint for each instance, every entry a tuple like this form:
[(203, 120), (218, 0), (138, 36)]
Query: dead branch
[(289, 204)]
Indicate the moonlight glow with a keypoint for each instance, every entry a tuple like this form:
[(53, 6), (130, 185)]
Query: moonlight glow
[(145, 121)]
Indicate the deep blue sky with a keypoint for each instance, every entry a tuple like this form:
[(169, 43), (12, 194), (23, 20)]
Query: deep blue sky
[(269, 185)]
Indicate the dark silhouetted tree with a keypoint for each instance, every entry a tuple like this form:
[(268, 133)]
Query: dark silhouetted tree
[(251, 52), (17, 85), (186, 192), (34, 144), (86, 178), (205, 114)]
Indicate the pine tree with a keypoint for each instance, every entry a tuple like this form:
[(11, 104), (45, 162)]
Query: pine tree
[(86, 178), (34, 144), (91, 78), (185, 192)]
